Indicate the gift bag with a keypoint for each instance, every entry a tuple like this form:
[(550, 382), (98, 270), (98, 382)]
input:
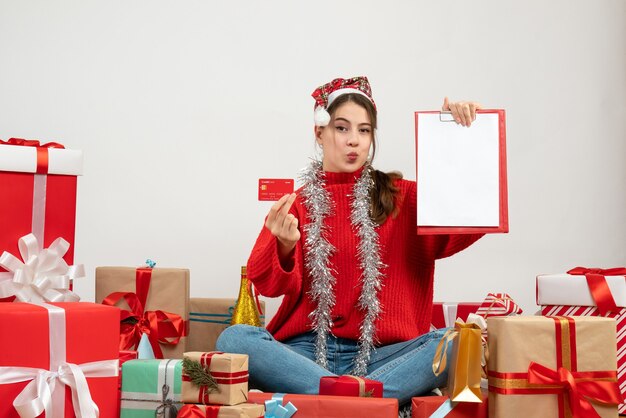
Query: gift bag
[(464, 372)]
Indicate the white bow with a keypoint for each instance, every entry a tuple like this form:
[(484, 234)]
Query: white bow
[(36, 397), (43, 276)]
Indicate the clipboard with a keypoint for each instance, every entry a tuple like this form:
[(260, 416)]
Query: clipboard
[(461, 173)]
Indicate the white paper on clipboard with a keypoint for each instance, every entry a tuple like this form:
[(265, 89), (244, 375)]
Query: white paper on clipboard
[(458, 172)]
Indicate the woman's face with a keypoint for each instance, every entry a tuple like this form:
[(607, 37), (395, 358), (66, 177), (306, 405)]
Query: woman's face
[(346, 140)]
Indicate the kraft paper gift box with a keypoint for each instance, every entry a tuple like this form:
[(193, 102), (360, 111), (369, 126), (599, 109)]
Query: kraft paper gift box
[(442, 406), (77, 339), (243, 410), (38, 190), (552, 367), (313, 406), (228, 372), (208, 317), (164, 295), (350, 386), (150, 387), (589, 292)]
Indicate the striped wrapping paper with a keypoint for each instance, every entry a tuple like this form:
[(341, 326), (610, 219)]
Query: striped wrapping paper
[(620, 318), (498, 304)]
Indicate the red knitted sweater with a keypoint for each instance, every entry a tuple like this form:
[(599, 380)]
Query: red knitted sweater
[(407, 291)]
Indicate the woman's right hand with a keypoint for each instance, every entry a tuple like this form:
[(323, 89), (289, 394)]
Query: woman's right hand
[(283, 225)]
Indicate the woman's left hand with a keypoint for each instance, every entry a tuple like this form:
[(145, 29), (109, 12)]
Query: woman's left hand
[(462, 112)]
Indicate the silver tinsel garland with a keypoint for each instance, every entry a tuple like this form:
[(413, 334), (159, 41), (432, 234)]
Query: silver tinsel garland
[(317, 260)]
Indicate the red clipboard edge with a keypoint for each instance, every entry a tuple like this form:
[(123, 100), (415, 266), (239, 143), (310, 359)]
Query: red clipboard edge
[(503, 228)]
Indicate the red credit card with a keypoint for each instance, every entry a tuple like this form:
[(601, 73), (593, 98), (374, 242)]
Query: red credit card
[(274, 189)]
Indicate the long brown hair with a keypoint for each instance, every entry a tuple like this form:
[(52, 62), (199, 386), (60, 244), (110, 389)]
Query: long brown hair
[(384, 193)]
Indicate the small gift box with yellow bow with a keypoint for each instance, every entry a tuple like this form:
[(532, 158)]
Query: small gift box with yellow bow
[(215, 378), (348, 385), (586, 291), (243, 410), (552, 367)]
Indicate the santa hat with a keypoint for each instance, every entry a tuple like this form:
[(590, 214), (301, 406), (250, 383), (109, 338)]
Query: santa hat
[(324, 95)]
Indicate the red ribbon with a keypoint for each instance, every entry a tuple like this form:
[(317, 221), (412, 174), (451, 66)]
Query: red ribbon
[(579, 391), (598, 286), (194, 411), (161, 327), (42, 151), (598, 386)]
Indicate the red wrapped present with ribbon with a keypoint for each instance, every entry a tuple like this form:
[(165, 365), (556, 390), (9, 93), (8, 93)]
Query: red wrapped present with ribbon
[(348, 385), (445, 314), (157, 301), (442, 406), (552, 366), (589, 292), (62, 360), (244, 410), (38, 189), (328, 406), (214, 378)]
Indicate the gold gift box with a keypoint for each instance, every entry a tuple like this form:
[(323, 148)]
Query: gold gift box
[(169, 292), (579, 344)]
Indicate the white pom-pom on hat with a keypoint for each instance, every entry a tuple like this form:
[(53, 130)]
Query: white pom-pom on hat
[(321, 116)]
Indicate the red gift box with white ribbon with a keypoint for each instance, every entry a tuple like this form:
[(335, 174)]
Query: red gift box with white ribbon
[(589, 292), (38, 189), (60, 359)]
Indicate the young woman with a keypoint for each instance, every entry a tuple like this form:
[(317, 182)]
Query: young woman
[(356, 279)]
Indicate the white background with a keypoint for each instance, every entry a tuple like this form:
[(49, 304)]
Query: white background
[(181, 106)]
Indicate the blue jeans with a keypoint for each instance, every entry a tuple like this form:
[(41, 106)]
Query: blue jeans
[(405, 368)]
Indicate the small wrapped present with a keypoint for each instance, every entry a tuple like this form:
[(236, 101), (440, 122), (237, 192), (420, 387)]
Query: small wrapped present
[(208, 317), (331, 406), (580, 293), (466, 360), (552, 367), (442, 406), (38, 189), (215, 378), (445, 314), (243, 410), (154, 301), (151, 388), (58, 351), (498, 304), (348, 385)]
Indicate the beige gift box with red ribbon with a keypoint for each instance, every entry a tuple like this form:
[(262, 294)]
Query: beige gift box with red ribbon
[(230, 375)]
